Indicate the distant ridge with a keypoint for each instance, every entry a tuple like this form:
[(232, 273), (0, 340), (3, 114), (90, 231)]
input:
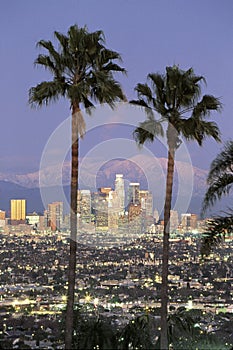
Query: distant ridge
[(137, 169), (53, 175)]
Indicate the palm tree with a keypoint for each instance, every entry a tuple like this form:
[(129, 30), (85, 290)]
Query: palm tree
[(136, 334), (97, 333), (175, 97), (217, 229), (82, 69), (220, 181), (220, 177), (186, 330)]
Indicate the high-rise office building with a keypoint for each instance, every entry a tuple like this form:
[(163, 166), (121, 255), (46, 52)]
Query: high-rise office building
[(156, 215), (189, 221), (84, 205), (185, 220), (18, 210), (113, 210), (133, 196), (135, 218), (174, 220), (100, 208), (146, 201), (193, 221), (55, 215), (120, 191)]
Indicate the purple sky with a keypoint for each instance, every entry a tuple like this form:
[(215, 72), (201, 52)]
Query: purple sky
[(149, 34)]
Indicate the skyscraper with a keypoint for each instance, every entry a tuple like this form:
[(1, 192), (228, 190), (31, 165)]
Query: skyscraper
[(120, 191), (55, 215), (100, 208), (146, 201), (84, 205), (174, 220), (113, 210), (18, 209), (189, 221), (133, 196)]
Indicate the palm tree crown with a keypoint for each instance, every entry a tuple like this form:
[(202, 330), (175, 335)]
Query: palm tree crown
[(174, 96), (82, 69)]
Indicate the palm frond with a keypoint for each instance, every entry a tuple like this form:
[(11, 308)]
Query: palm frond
[(107, 55), (63, 40), (221, 186), (220, 177), (157, 81), (216, 231), (205, 106), (144, 92), (47, 63), (113, 67), (148, 131), (222, 163), (198, 130), (142, 103), (182, 88), (48, 45), (139, 102), (46, 92)]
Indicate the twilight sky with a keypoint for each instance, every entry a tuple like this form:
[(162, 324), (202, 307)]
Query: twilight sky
[(150, 35)]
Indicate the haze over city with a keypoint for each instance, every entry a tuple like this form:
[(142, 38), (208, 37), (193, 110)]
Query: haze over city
[(110, 234)]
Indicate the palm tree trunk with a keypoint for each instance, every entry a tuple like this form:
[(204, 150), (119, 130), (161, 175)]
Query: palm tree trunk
[(164, 287), (73, 230)]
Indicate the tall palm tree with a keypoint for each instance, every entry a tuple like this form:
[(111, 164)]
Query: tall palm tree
[(82, 69), (220, 181), (175, 97)]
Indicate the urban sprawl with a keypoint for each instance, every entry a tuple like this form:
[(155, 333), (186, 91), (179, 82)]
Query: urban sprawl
[(118, 266)]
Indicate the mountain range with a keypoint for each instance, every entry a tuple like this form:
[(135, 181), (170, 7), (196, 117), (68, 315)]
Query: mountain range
[(188, 190)]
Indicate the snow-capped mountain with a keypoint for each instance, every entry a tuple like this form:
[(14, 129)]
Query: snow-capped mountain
[(189, 181)]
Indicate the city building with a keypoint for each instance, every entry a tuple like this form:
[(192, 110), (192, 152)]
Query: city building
[(133, 195), (174, 220), (100, 208), (135, 218), (2, 218), (33, 219), (84, 205), (156, 216), (2, 215), (120, 190), (18, 211), (193, 221), (114, 210), (55, 215), (189, 221), (146, 201)]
